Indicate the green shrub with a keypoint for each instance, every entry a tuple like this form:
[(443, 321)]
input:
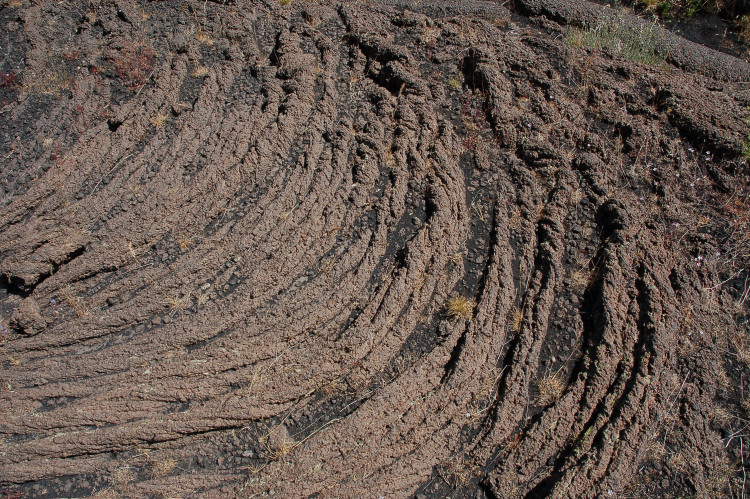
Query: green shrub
[(687, 8)]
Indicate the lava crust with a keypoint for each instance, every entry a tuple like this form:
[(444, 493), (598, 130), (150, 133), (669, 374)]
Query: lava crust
[(368, 249)]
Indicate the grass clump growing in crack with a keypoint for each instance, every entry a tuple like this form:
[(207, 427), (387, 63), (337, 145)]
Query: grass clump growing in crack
[(580, 279), (460, 307), (516, 319), (550, 389), (686, 9), (634, 43)]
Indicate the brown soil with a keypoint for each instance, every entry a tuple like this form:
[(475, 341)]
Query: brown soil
[(376, 249)]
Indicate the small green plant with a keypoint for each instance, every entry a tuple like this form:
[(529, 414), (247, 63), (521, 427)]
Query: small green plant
[(635, 43), (682, 8), (460, 307), (285, 2), (660, 7), (455, 83), (693, 6), (744, 24)]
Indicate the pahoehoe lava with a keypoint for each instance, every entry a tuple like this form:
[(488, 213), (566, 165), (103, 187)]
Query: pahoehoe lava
[(366, 249)]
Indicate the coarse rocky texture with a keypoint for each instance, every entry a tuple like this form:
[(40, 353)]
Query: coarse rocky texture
[(365, 249)]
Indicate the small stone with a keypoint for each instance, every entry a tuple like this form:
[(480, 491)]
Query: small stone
[(180, 43), (179, 108), (28, 317)]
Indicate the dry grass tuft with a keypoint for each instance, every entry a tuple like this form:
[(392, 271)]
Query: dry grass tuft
[(460, 307), (50, 77), (638, 44), (678, 462), (122, 475), (516, 319), (456, 471), (278, 443), (456, 258), (655, 450), (159, 120), (580, 279), (184, 242), (717, 482), (429, 35), (177, 304), (200, 71), (75, 303), (550, 389), (162, 467), (743, 350), (335, 387), (575, 197), (516, 220), (746, 405), (720, 415), (105, 494), (203, 38), (738, 230)]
